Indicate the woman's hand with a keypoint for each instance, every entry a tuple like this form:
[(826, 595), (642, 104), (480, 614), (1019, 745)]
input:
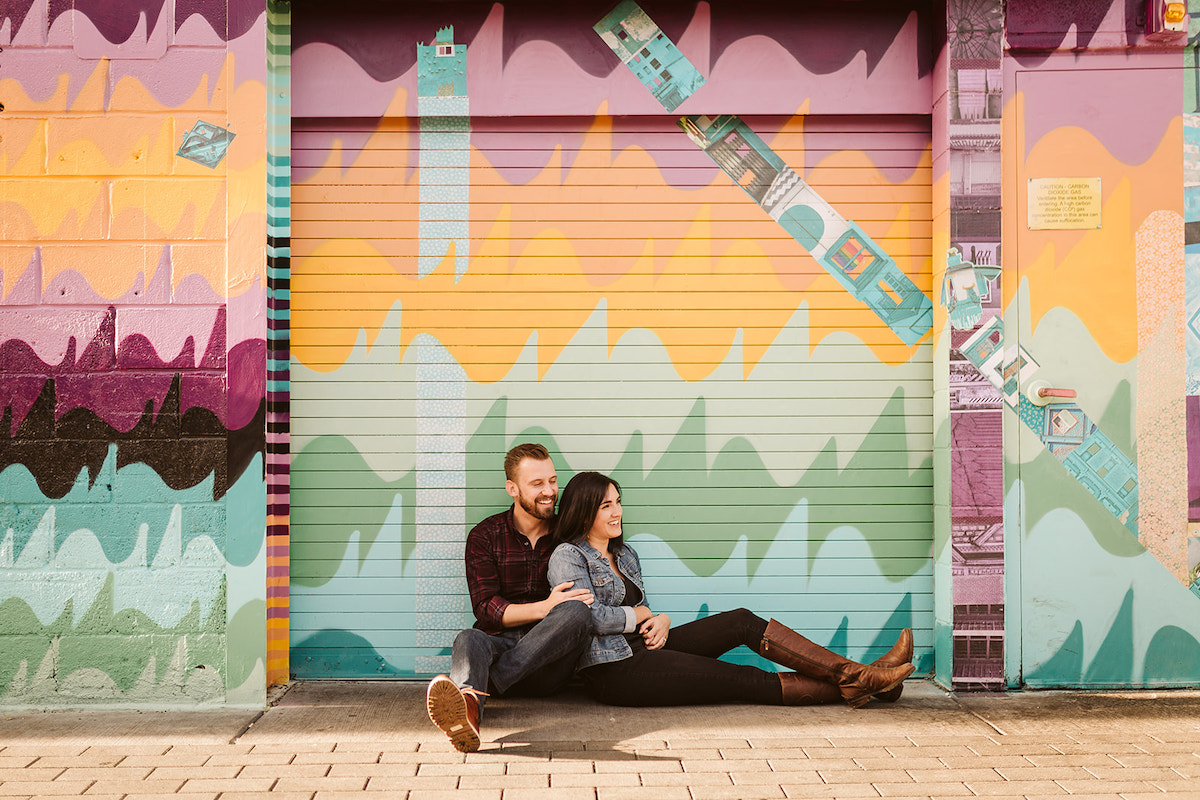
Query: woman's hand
[(654, 631)]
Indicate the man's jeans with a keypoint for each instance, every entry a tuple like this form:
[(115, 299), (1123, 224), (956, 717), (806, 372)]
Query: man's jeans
[(530, 662)]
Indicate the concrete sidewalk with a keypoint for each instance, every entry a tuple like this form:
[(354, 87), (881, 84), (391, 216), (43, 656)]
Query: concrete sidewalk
[(328, 740)]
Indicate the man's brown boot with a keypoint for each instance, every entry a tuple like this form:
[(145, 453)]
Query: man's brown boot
[(455, 711), (901, 653), (801, 691), (857, 682)]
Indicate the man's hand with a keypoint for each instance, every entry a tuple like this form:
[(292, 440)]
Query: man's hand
[(518, 614), (654, 631), (563, 592)]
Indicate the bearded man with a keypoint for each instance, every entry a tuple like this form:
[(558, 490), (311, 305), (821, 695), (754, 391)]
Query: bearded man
[(527, 636)]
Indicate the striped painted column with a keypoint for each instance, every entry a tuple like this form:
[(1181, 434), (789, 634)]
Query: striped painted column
[(278, 458), (969, 276)]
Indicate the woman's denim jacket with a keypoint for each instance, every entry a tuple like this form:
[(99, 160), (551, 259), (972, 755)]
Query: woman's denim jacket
[(588, 568)]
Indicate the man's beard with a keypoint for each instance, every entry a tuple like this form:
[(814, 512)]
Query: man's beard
[(534, 510)]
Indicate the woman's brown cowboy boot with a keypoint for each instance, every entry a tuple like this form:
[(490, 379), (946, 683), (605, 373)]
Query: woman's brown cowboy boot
[(901, 653), (857, 682), (801, 691)]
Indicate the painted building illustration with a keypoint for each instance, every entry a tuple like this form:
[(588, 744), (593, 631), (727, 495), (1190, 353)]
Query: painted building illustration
[(840, 246), (277, 292), (650, 55)]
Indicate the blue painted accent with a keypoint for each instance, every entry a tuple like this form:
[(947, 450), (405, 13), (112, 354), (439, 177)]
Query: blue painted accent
[(205, 144), (804, 224)]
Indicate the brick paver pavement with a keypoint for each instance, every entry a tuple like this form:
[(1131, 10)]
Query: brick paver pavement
[(326, 741)]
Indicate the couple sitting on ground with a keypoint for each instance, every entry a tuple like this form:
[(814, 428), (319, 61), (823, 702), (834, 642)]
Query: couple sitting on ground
[(530, 639)]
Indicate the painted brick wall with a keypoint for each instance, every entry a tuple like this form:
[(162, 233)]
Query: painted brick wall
[(132, 354)]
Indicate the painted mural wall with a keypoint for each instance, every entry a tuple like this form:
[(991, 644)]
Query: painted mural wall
[(1098, 571), (752, 268), (679, 243), (132, 349)]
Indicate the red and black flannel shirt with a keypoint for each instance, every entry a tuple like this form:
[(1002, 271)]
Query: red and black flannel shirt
[(502, 568)]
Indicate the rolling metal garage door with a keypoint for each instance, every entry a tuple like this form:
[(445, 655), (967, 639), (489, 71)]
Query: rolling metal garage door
[(609, 288)]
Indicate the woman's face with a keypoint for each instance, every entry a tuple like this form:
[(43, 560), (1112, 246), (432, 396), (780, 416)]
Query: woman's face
[(607, 524)]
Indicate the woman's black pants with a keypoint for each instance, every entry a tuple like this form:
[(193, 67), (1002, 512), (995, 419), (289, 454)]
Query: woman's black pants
[(686, 671)]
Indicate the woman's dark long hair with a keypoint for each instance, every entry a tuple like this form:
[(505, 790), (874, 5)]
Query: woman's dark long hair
[(578, 505)]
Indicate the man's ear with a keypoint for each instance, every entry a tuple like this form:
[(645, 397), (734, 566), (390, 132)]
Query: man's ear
[(511, 488)]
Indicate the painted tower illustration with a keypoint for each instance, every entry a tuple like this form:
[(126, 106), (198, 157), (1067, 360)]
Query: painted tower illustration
[(444, 161)]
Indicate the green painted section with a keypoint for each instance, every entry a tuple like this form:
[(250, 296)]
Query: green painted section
[(1066, 665), (701, 521), (246, 637), (798, 396), (111, 655), (801, 487), (343, 496), (1171, 653), (1059, 490), (1113, 662), (1191, 63)]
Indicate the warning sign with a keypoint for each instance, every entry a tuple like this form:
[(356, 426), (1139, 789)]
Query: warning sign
[(1064, 204)]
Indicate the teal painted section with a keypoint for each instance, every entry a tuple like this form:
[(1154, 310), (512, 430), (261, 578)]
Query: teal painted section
[(113, 504), (365, 609), (108, 599), (162, 553), (1096, 619), (366, 638)]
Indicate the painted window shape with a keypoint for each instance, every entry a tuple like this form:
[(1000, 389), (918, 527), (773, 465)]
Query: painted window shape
[(891, 285), (654, 62), (646, 52), (988, 345), (445, 50), (666, 75), (852, 256), (620, 32)]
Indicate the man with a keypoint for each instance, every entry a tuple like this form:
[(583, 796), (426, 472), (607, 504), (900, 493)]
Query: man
[(527, 637)]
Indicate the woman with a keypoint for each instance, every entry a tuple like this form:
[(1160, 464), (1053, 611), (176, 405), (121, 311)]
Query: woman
[(637, 659)]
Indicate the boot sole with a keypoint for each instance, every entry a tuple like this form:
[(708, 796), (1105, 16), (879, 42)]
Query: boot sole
[(448, 711)]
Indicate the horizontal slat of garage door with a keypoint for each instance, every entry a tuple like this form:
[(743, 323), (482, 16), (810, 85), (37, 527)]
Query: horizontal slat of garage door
[(626, 304)]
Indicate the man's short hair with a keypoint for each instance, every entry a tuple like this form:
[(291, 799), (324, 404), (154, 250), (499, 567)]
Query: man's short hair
[(521, 452)]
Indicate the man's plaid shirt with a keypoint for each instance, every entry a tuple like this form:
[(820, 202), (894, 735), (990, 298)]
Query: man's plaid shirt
[(502, 568)]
